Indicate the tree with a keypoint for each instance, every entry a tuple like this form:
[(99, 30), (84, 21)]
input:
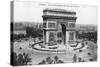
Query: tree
[(49, 60), (20, 59), (56, 59), (34, 32)]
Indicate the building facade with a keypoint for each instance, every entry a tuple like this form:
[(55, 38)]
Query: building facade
[(58, 26)]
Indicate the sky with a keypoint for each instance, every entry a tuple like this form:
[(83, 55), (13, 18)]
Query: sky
[(33, 11)]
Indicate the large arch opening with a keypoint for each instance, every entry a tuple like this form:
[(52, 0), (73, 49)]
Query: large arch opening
[(63, 32)]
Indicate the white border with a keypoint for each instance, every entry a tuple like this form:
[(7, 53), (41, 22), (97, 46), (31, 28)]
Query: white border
[(5, 33)]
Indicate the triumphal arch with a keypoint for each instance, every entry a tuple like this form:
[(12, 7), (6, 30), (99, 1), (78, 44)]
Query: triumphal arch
[(58, 26)]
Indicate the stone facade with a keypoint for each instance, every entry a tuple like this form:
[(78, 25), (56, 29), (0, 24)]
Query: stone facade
[(59, 26)]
